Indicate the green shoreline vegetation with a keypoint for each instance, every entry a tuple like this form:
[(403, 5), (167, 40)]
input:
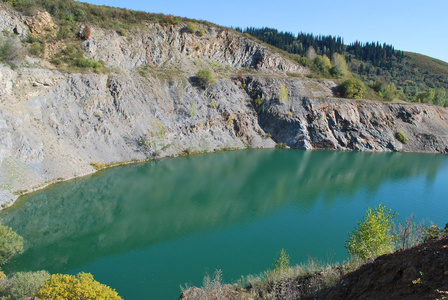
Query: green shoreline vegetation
[(373, 236)]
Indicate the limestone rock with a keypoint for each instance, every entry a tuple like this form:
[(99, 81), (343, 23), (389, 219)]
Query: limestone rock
[(40, 22), (12, 21)]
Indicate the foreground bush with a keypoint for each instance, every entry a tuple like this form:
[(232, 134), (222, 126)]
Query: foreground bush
[(373, 235), (80, 287), (22, 285), (11, 244)]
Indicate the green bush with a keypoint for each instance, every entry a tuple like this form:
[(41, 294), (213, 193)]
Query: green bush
[(373, 235), (201, 31), (191, 27), (64, 32), (432, 232), (36, 49), (5, 51), (401, 137), (22, 285), (10, 49), (352, 88), (11, 244), (205, 78), (281, 263)]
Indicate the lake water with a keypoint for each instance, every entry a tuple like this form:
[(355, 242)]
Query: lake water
[(147, 229)]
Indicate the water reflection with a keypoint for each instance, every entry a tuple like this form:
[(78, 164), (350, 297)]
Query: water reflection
[(126, 208)]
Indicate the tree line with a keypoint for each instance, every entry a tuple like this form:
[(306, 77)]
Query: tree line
[(378, 54)]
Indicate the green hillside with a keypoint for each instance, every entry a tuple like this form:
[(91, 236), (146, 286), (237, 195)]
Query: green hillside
[(390, 73)]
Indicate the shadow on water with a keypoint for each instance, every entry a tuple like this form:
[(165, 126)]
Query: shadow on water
[(132, 207)]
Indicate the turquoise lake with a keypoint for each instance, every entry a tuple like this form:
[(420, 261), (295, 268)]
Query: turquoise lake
[(146, 229)]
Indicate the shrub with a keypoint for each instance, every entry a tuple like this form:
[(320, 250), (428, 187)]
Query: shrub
[(191, 28), (11, 50), (22, 285), (192, 109), (36, 49), (205, 78), (86, 32), (401, 137), (64, 32), (373, 235), (281, 263), (81, 286), (239, 76), (352, 88), (257, 101), (11, 244), (283, 93), (201, 31), (432, 232), (97, 166), (281, 145)]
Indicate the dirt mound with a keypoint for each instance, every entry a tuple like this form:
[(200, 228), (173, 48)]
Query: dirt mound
[(420, 272)]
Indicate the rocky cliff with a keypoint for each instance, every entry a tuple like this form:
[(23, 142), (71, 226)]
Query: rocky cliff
[(57, 125)]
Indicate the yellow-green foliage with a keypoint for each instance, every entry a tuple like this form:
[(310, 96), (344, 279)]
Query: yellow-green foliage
[(156, 128), (281, 262), (191, 27), (283, 94), (373, 235), (80, 287), (230, 121), (11, 244), (352, 88), (401, 137), (205, 78), (22, 284), (97, 166)]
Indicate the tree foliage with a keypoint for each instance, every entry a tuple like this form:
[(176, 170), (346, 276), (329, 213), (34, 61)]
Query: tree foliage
[(11, 244), (411, 73), (80, 287), (281, 263), (352, 88), (205, 78), (401, 137), (22, 284), (372, 237), (191, 27)]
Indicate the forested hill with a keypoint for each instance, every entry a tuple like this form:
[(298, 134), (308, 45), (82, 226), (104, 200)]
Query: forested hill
[(391, 73)]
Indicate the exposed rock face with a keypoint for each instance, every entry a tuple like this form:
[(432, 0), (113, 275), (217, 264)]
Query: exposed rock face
[(160, 46), (305, 123), (54, 124), (40, 22), (12, 21), (416, 273)]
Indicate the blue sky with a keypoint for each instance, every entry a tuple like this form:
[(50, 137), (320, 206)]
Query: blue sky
[(419, 26)]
